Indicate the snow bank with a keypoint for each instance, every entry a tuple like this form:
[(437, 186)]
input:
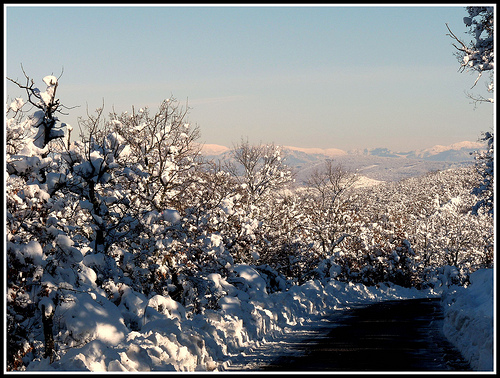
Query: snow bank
[(127, 332), (469, 319)]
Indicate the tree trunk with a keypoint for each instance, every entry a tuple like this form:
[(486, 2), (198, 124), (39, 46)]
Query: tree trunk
[(47, 322)]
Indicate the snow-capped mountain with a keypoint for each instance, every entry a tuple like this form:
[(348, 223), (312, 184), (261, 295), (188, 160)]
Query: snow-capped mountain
[(457, 152), (213, 149), (379, 164)]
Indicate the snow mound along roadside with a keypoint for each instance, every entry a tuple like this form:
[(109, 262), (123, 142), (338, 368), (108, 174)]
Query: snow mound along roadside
[(468, 319), (129, 332)]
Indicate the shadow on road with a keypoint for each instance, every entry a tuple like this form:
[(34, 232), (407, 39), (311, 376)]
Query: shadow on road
[(403, 335)]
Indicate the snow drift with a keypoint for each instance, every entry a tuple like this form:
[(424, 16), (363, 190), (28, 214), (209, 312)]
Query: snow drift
[(164, 338), (469, 319)]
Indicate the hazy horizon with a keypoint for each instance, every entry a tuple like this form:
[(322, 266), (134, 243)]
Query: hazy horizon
[(346, 77)]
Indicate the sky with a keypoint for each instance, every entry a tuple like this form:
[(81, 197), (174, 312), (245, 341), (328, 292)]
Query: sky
[(325, 76)]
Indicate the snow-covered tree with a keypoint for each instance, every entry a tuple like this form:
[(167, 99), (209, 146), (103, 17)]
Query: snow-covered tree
[(45, 118), (161, 146), (479, 56), (37, 252), (484, 166), (260, 170), (328, 204)]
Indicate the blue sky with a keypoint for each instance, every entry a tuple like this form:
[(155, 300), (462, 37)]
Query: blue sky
[(346, 77)]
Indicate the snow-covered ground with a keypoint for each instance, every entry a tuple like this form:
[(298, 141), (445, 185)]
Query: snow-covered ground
[(247, 318), (469, 319)]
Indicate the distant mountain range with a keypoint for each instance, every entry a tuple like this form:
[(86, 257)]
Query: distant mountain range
[(457, 152), (378, 164)]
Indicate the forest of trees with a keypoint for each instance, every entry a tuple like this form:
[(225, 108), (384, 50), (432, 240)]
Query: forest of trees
[(131, 204)]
